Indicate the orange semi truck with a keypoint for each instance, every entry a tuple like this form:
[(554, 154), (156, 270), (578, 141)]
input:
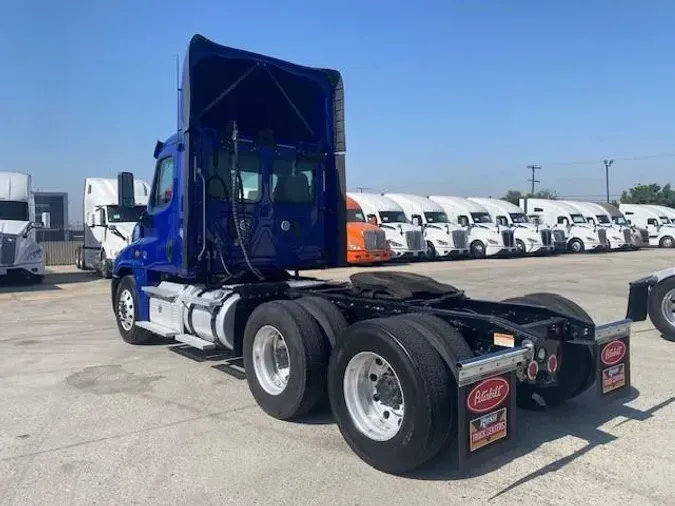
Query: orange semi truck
[(366, 243)]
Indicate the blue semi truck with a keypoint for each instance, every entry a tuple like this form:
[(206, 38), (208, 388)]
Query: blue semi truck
[(248, 192)]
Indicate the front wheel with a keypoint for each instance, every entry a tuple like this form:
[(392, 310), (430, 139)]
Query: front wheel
[(391, 394), (106, 266), (477, 249), (126, 312), (576, 246), (431, 251), (520, 247), (661, 308), (667, 242)]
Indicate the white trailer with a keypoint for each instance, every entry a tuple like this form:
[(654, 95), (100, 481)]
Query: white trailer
[(580, 236), (20, 253), (618, 237), (443, 239), (405, 239), (108, 227), (486, 238), (530, 238), (661, 231)]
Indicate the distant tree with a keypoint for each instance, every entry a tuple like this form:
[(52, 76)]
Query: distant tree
[(514, 196), (649, 194)]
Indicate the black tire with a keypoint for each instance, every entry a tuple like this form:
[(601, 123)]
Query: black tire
[(576, 366), (37, 278), (520, 247), (330, 318), (106, 266), (425, 383), (431, 251), (308, 354), (78, 257), (654, 308), (666, 242), (576, 246), (455, 339), (133, 335), (477, 249)]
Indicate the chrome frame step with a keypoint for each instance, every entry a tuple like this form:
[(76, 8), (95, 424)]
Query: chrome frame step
[(158, 329)]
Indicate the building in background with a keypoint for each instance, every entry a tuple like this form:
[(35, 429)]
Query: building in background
[(56, 204)]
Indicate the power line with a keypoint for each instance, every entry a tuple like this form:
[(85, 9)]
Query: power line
[(624, 159), (533, 180)]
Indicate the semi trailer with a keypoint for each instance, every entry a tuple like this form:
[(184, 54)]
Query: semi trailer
[(660, 230), (409, 366), (579, 235), (107, 226), (21, 256), (486, 239), (405, 239), (366, 243), (531, 238), (443, 238)]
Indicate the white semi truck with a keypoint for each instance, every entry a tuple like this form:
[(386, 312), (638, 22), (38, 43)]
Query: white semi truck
[(580, 236), (405, 239), (20, 253), (443, 238), (486, 238), (108, 227), (661, 231), (530, 238), (618, 237), (639, 235)]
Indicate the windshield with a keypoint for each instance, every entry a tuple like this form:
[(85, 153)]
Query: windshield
[(620, 220), (664, 220), (577, 218), (11, 210), (124, 215), (355, 216), (602, 218), (519, 218), (481, 218), (393, 217), (436, 217)]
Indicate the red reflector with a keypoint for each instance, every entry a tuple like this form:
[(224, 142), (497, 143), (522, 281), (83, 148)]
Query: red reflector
[(552, 363), (532, 370)]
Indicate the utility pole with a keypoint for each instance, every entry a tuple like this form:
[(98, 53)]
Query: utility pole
[(608, 164), (533, 168)]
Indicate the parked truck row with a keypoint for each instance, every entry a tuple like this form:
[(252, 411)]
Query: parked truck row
[(250, 190)]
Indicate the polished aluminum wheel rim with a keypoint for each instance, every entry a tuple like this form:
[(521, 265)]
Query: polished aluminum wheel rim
[(271, 361)]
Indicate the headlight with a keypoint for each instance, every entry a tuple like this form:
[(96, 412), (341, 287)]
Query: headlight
[(354, 247), (492, 241), (395, 244), (532, 241), (34, 256), (442, 243), (590, 239)]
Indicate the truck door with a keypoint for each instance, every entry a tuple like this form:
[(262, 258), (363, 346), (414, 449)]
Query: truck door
[(160, 225), (653, 227), (297, 194)]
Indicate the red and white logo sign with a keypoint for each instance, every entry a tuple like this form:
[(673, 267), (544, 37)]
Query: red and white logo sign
[(613, 353), (487, 395)]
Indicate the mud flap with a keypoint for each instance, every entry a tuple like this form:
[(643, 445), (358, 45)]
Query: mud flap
[(486, 405), (638, 298), (612, 360)]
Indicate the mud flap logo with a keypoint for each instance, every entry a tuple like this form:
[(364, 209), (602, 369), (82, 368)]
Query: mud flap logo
[(613, 378), (487, 395), (487, 429), (613, 353), (614, 367)]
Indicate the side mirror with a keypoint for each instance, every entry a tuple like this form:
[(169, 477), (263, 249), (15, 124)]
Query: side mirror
[(112, 228), (90, 221), (416, 222), (46, 220), (125, 190)]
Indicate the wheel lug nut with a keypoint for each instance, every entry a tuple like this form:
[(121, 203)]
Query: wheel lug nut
[(373, 377)]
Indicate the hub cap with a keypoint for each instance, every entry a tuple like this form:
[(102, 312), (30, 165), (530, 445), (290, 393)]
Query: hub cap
[(271, 361), (668, 307), (125, 310), (373, 396)]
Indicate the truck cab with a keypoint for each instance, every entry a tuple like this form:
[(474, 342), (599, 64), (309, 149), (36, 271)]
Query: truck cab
[(405, 239), (21, 256), (530, 238), (108, 226), (618, 237), (659, 227), (443, 238), (366, 243), (579, 235), (486, 238)]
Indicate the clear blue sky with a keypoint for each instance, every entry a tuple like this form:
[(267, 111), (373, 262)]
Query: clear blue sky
[(450, 96)]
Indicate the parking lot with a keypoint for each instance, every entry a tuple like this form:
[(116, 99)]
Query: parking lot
[(88, 419)]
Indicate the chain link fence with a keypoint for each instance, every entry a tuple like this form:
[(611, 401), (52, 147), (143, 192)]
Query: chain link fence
[(60, 246)]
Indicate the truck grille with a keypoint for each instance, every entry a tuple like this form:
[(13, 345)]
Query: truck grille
[(644, 235), (507, 237), (459, 239), (558, 236), (545, 237), (627, 236), (375, 240), (7, 249), (414, 240), (602, 235)]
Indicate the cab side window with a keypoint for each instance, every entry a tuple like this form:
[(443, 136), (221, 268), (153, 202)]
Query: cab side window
[(163, 189)]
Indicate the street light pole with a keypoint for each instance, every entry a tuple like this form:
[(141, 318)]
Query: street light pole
[(608, 164)]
